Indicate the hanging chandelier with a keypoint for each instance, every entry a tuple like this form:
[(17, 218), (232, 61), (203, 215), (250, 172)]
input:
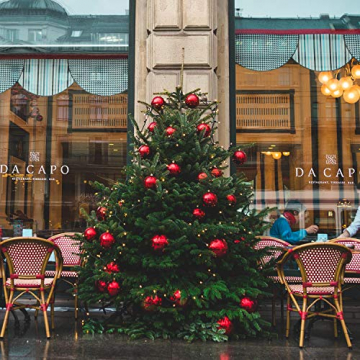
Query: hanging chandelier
[(343, 83)]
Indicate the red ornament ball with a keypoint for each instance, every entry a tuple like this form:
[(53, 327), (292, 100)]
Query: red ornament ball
[(39, 118), (152, 126), (192, 101), (239, 157), (198, 213), (157, 102), (176, 298), (205, 127), (113, 288), (101, 213), (174, 169), (248, 304), (226, 324), (151, 301), (210, 199), (150, 182), (159, 242), (112, 268), (218, 247), (90, 233), (216, 172), (202, 176), (170, 131), (107, 240), (231, 199), (144, 151), (101, 285)]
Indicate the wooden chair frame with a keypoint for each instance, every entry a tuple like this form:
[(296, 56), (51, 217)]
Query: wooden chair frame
[(309, 300), (11, 299)]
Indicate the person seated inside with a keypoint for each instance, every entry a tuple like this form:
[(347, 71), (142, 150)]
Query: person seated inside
[(353, 227), (294, 212)]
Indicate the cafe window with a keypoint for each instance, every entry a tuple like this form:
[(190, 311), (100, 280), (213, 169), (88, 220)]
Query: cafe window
[(304, 130), (63, 118)]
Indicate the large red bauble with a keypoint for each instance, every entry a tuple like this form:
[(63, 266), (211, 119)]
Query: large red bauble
[(152, 126), (107, 240), (174, 169), (151, 301), (170, 130), (144, 151), (210, 199), (231, 199), (101, 213), (198, 213), (239, 157), (176, 298), (157, 102), (202, 176), (112, 268), (192, 101), (101, 285), (216, 172), (205, 127), (218, 247), (113, 288), (248, 304), (90, 233), (226, 324), (159, 242), (150, 182)]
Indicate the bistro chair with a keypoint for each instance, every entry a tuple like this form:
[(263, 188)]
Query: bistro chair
[(322, 266), (276, 249), (70, 250), (26, 260)]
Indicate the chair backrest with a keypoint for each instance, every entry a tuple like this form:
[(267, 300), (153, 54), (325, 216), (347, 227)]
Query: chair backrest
[(276, 247), (28, 257), (320, 263), (354, 265), (69, 247)]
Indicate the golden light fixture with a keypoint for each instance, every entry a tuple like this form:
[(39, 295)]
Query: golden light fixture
[(346, 82), (325, 90), (337, 93), (333, 84), (286, 153), (355, 72), (325, 76), (352, 95), (276, 155)]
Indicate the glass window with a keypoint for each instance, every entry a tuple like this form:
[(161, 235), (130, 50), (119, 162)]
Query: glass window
[(35, 35), (305, 130)]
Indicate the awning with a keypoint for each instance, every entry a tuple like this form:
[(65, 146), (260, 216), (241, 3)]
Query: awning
[(265, 50), (48, 77)]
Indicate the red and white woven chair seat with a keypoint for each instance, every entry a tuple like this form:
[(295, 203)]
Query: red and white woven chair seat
[(352, 280), (30, 283), (326, 290), (69, 274), (289, 279)]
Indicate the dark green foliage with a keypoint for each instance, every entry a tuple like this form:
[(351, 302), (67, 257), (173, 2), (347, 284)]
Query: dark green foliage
[(211, 287)]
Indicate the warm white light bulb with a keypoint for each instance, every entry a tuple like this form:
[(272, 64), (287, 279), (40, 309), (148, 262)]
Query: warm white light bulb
[(346, 82), (352, 95), (333, 84), (325, 90), (325, 76), (355, 72)]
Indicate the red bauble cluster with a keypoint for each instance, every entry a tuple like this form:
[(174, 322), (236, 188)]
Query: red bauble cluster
[(248, 304), (151, 301), (144, 151), (239, 157), (198, 213), (202, 176), (231, 199), (218, 247), (174, 169), (113, 288), (107, 240), (157, 102), (152, 126), (90, 233), (112, 268), (170, 131), (101, 285), (210, 199), (204, 127), (226, 324), (216, 172), (192, 101), (150, 182), (101, 213), (159, 242), (176, 298)]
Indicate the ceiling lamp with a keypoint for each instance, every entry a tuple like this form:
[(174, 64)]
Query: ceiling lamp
[(276, 155), (337, 93), (333, 84), (286, 153), (355, 72), (352, 95), (346, 82), (325, 90), (325, 76)]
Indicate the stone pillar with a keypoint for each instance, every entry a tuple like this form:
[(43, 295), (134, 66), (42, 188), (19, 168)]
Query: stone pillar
[(163, 29)]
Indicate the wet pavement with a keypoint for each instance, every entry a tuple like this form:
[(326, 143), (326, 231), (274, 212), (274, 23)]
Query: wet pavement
[(28, 341)]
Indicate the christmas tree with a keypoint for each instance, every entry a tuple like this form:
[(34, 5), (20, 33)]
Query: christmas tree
[(172, 247)]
